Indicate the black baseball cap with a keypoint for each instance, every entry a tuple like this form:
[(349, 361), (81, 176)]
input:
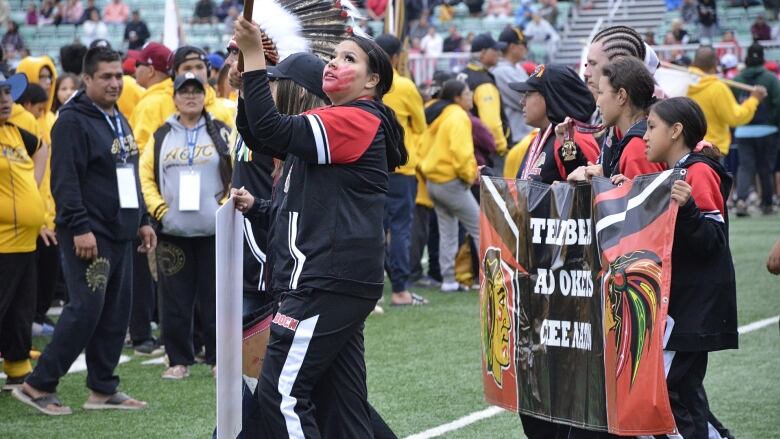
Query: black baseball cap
[(188, 53), (565, 94), (187, 78), (389, 43), (512, 35), (303, 68), (485, 41), (755, 55)]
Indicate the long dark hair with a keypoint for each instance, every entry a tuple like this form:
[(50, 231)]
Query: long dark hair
[(56, 104), (631, 75), (379, 63), (687, 113), (451, 89), (221, 145)]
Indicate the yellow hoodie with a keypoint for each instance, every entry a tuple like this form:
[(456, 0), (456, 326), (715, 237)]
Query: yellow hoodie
[(156, 106), (515, 156), (447, 148), (32, 66), (407, 104), (720, 108), (131, 94)]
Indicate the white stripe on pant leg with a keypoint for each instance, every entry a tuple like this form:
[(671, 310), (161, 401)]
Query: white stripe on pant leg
[(298, 255), (292, 366)]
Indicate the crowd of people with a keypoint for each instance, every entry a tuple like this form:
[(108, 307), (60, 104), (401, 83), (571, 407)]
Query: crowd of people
[(119, 162)]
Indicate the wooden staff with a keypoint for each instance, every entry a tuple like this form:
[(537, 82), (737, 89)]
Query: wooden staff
[(729, 82), (248, 6)]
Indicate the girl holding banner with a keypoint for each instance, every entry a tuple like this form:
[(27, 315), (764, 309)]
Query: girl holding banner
[(702, 305), (625, 95)]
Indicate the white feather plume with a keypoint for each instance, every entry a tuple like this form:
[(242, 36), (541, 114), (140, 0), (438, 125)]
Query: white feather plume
[(283, 27)]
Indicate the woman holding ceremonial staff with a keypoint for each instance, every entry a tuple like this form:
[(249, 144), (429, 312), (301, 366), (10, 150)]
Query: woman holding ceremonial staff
[(332, 205)]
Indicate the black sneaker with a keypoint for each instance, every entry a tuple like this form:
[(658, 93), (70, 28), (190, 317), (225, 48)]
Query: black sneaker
[(14, 383), (149, 348)]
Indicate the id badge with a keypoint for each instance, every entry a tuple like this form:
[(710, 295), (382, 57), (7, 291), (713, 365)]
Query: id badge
[(189, 190), (128, 191)]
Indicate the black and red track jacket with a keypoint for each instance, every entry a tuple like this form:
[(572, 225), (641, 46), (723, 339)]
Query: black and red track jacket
[(551, 165), (327, 230), (703, 295)]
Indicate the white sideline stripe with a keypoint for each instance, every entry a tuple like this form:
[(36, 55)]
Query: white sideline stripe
[(458, 423), (750, 327), (80, 365), (493, 410), (154, 361)]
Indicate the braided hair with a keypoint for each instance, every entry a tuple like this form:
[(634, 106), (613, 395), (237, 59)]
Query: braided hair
[(621, 41)]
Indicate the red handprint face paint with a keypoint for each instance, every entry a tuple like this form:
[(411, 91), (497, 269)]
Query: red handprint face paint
[(339, 79)]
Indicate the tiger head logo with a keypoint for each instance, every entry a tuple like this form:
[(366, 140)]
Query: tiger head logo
[(633, 286), (496, 320)]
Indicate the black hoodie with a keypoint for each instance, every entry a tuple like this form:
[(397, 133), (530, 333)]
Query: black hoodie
[(326, 232), (85, 154)]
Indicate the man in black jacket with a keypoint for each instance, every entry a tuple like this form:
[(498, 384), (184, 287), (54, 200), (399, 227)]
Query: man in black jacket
[(136, 32), (99, 209)]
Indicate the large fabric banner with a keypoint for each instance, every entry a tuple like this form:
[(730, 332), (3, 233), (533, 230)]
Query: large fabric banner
[(572, 314)]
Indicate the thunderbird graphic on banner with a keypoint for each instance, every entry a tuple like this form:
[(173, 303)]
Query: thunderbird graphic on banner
[(574, 292)]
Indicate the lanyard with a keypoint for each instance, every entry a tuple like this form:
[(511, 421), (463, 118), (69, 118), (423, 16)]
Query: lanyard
[(119, 132), (192, 142), (534, 151)]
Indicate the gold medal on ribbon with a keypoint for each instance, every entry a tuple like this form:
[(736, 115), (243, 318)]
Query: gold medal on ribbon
[(568, 150)]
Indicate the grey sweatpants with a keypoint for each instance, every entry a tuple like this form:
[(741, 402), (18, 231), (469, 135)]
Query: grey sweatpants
[(453, 202)]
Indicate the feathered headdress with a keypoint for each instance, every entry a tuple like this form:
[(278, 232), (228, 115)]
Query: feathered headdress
[(292, 26)]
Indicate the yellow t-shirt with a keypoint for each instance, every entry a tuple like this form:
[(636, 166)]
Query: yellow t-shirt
[(22, 211)]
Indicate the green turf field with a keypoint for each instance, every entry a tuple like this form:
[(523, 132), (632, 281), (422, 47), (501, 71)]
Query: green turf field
[(424, 371)]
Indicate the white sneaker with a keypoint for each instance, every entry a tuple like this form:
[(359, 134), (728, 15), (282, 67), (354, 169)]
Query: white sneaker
[(450, 287)]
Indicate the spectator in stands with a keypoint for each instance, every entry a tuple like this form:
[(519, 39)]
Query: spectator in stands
[(508, 70), (22, 168), (31, 18), (453, 41), (204, 12), (12, 41), (688, 11), (499, 8), (485, 52), (432, 44), (407, 104), (475, 7), (548, 9), (223, 9), (757, 141), (523, 13), (93, 29), (46, 13), (116, 12), (376, 9), (681, 35), (72, 12), (708, 19), (136, 32), (88, 10), (729, 65), (650, 38), (230, 21), (760, 30), (420, 29), (541, 33), (732, 45), (5, 69), (717, 101)]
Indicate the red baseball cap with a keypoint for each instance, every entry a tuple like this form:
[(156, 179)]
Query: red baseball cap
[(128, 65), (155, 55)]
